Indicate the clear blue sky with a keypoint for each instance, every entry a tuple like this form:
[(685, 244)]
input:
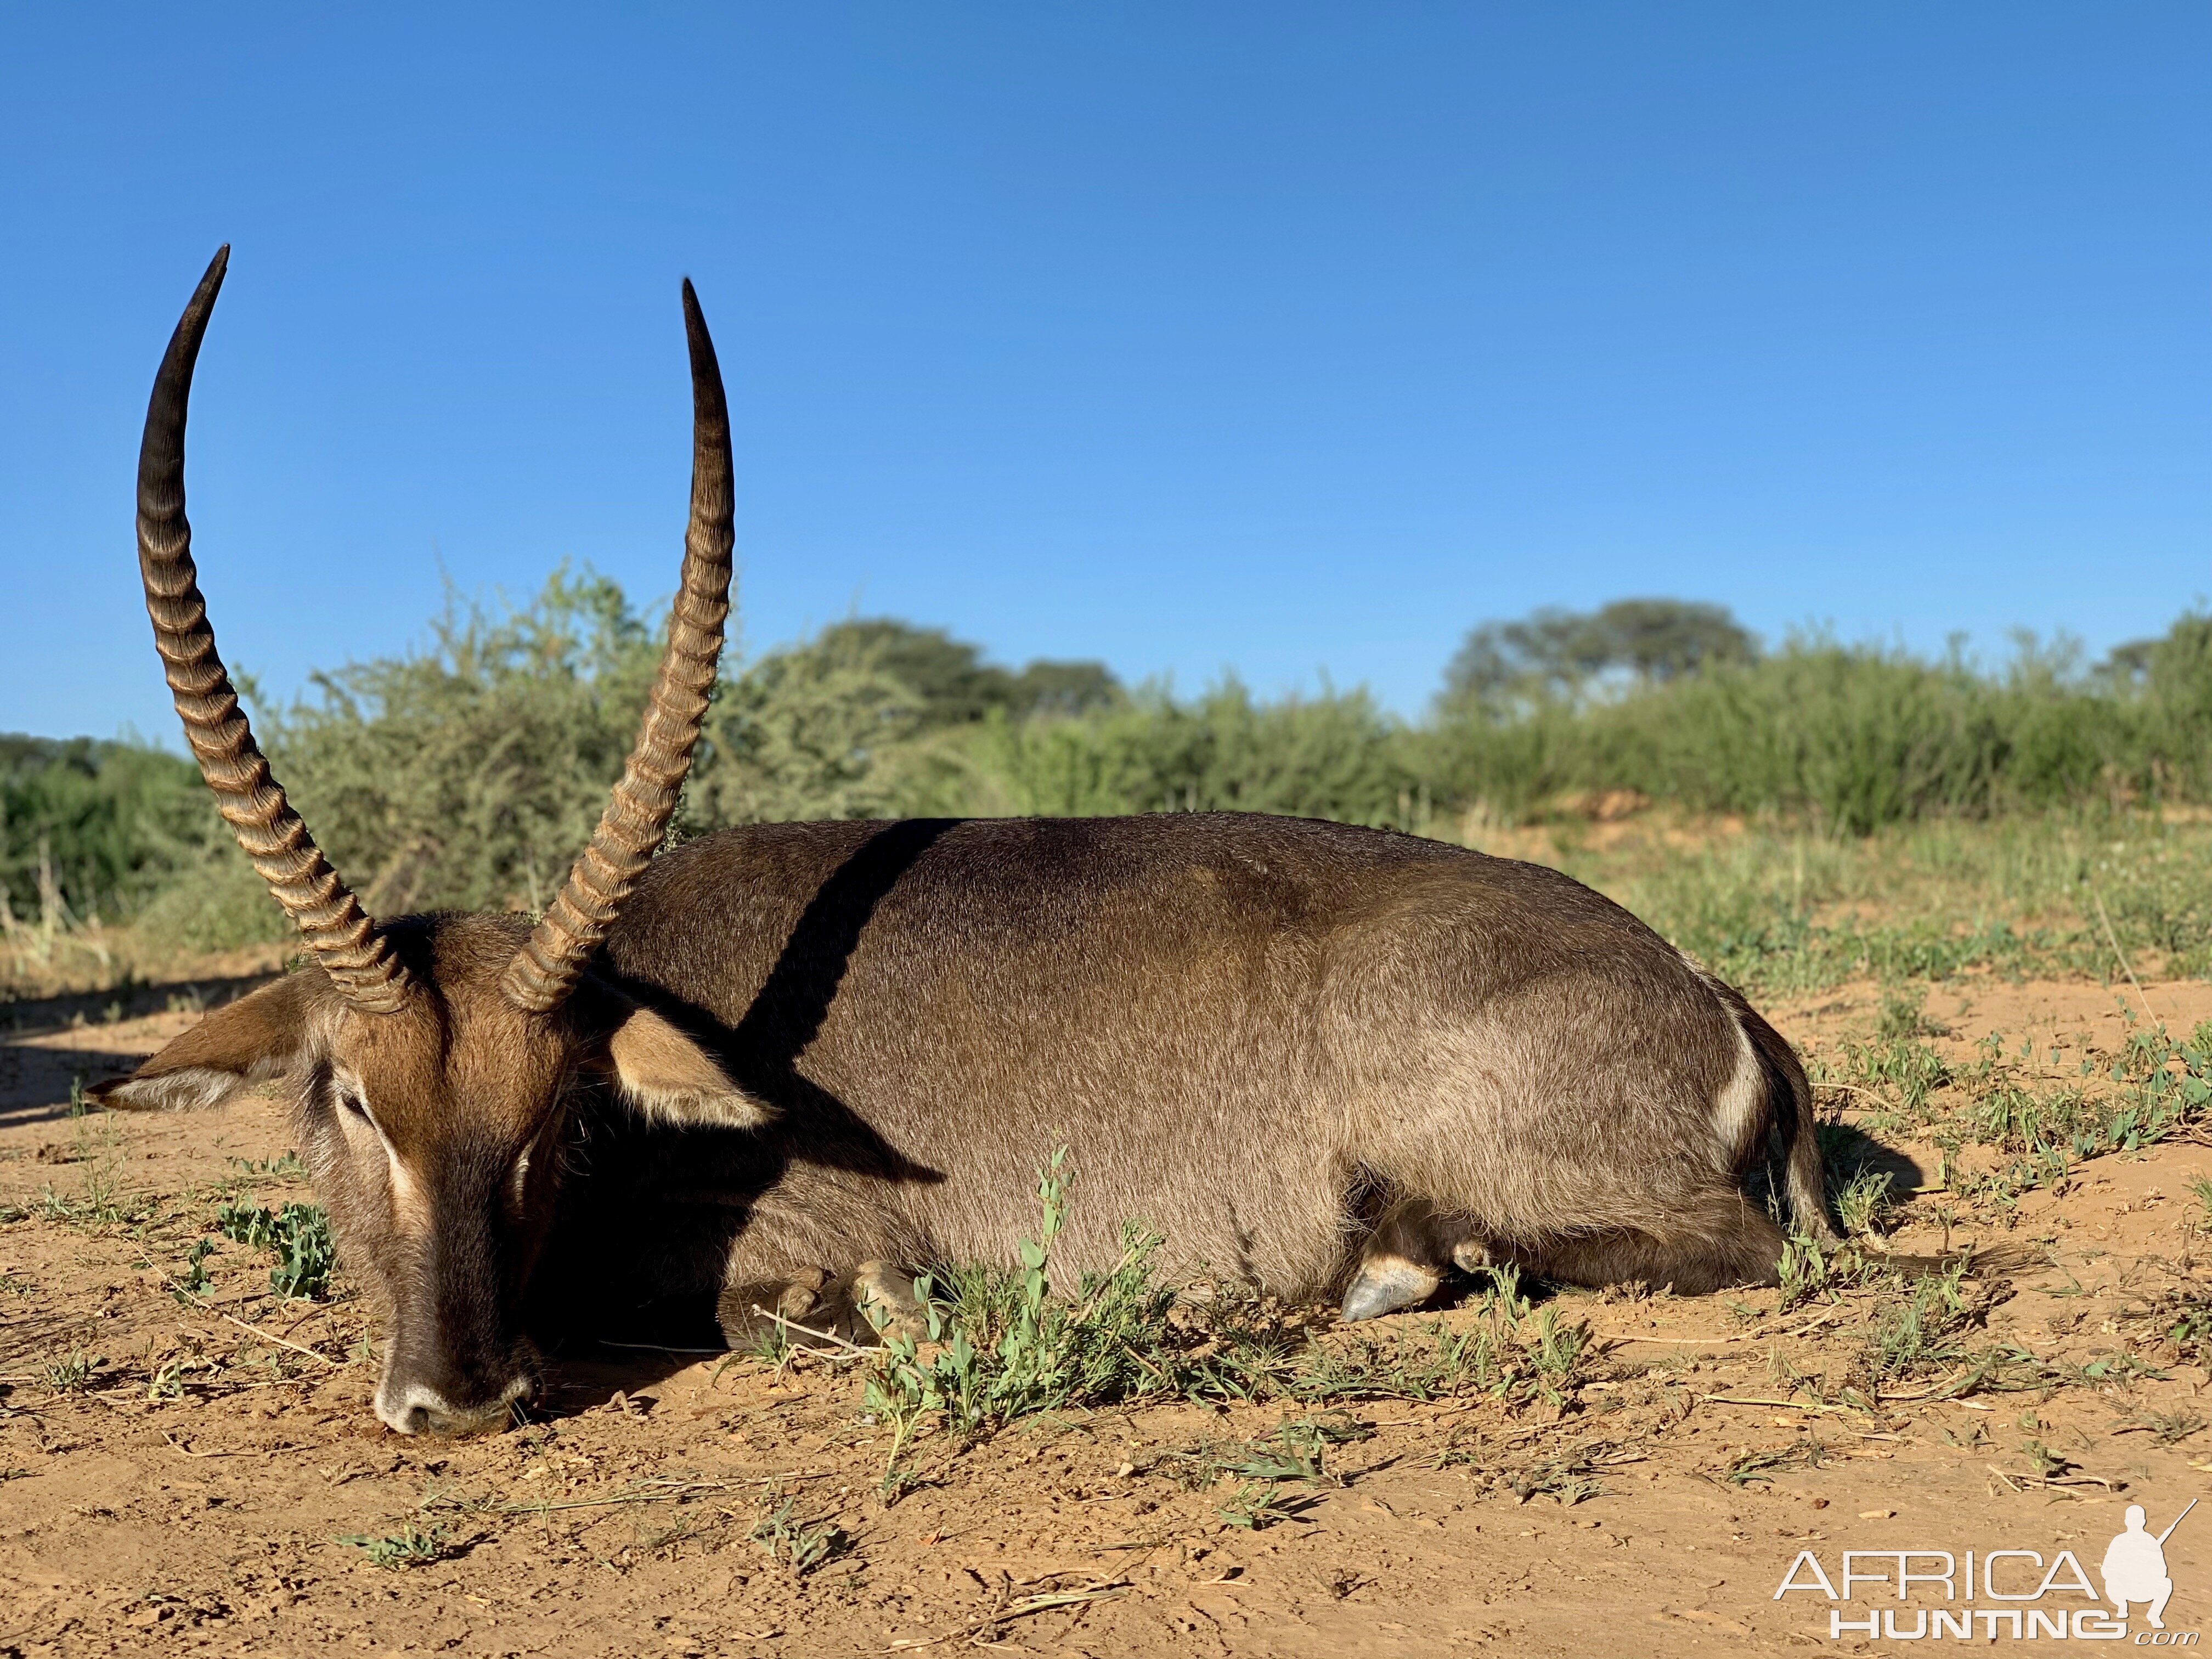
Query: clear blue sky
[(1281, 337)]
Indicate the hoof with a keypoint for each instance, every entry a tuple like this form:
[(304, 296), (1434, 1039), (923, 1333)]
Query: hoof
[(802, 1296), (1385, 1285), (1471, 1256), (748, 1312), (884, 1298)]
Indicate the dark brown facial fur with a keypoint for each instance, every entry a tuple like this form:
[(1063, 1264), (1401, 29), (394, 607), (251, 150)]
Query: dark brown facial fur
[(433, 1136)]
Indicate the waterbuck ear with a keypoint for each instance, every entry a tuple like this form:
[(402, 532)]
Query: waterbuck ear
[(665, 1075), (272, 1031)]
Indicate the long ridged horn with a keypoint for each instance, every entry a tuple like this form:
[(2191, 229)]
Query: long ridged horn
[(546, 968), (346, 942)]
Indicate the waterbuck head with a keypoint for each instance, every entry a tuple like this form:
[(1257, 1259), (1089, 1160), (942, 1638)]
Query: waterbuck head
[(429, 1058)]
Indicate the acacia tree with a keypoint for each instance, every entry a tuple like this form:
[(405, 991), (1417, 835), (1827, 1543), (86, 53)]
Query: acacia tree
[(1558, 652), (953, 684)]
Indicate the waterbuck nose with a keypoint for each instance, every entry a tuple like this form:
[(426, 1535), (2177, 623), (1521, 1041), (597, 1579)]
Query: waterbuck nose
[(418, 1408), (412, 1408)]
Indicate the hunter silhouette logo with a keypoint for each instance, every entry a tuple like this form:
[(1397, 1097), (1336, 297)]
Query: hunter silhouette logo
[(2134, 1568), (2011, 1593)]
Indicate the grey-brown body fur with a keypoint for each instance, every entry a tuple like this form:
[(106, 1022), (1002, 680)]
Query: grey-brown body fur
[(1261, 1035)]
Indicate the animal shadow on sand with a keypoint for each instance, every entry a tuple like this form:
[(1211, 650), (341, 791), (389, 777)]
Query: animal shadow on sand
[(652, 1205), (35, 1079)]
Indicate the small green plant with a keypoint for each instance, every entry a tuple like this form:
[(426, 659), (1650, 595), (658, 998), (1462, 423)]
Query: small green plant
[(1858, 1170), (1810, 1270), (1309, 1437), (1433, 1361), (2106, 1368), (299, 1234), (1807, 1453), (999, 1345), (1258, 1505), (2201, 1190), (897, 1480), (2167, 1428), (2155, 1086), (1900, 1070), (793, 1543), (1904, 1016), (1563, 1489), (99, 1201), (769, 1343), (168, 1382), (73, 1373), (195, 1275), (2190, 1329), (1864, 1202), (285, 1166), (1292, 1451), (1512, 1351), (411, 1546), (1918, 1332)]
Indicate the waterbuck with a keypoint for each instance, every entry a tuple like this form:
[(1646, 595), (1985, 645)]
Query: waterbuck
[(1327, 1060)]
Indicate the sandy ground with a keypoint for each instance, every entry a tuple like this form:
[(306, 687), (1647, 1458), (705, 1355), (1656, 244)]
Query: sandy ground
[(628, 1520)]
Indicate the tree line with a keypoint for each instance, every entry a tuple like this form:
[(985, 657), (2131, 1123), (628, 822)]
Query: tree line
[(469, 772)]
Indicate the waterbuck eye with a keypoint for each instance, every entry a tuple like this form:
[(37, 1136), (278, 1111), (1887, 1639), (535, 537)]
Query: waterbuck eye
[(353, 1104)]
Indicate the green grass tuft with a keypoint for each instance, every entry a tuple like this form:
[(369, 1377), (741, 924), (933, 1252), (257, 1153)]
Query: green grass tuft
[(999, 1346)]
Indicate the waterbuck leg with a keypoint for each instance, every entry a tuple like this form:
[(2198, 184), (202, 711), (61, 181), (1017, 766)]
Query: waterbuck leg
[(1402, 1263), (804, 1294), (1473, 1255), (1728, 1241), (875, 1299), (747, 1311), (883, 1297)]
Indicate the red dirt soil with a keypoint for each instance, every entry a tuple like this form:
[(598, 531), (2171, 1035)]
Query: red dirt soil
[(214, 1520)]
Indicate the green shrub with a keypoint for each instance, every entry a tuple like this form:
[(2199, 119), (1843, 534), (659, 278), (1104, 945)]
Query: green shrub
[(300, 1235), (1848, 738), (471, 774), (1336, 755), (1002, 1347), (97, 829), (411, 1546)]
